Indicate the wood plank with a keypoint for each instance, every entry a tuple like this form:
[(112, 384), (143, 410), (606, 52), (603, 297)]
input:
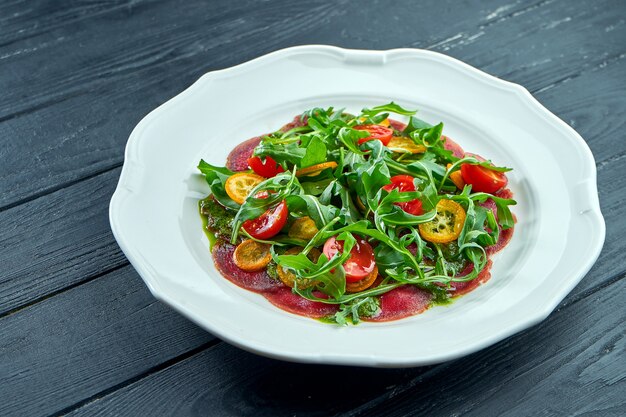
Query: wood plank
[(59, 240), (24, 19), (82, 115), (592, 104), (575, 354), (86, 340)]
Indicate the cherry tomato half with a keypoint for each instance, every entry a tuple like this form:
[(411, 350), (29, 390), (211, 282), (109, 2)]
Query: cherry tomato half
[(361, 261), (483, 179), (404, 183), (267, 169), (381, 133), (268, 224)]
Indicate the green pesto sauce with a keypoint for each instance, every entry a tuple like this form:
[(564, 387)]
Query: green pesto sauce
[(331, 320), (216, 220), (271, 270)]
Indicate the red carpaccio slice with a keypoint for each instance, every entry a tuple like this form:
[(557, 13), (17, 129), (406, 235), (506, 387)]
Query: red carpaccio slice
[(260, 282), (253, 281), (451, 145), (298, 121), (285, 299), (237, 159), (402, 302), (460, 288)]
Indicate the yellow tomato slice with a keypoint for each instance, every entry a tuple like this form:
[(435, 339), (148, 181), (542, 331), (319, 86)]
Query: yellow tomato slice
[(316, 169), (303, 228), (239, 185), (447, 224), (288, 278), (403, 144), (251, 255)]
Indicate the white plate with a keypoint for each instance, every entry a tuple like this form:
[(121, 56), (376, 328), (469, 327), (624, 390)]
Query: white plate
[(558, 237)]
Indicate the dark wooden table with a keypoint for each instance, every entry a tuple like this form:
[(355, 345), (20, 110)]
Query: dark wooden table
[(81, 335)]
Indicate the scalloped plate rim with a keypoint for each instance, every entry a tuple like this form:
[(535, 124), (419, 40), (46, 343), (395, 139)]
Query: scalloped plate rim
[(133, 157)]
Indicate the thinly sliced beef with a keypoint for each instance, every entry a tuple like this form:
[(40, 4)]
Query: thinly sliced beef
[(275, 291), (397, 125), (402, 302), (298, 121), (253, 281), (238, 158), (451, 145), (285, 299), (459, 288)]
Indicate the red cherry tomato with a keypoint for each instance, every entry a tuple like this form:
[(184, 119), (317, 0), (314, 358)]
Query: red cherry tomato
[(483, 180), (400, 183), (268, 224), (361, 261), (381, 133), (267, 169), (404, 183)]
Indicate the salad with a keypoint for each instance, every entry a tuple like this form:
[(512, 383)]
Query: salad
[(346, 217)]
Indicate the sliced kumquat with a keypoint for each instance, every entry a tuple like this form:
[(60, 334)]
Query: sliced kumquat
[(316, 169), (238, 186), (402, 144), (251, 255), (447, 224), (303, 228), (288, 277)]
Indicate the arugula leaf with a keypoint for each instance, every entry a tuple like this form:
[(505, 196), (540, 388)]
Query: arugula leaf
[(357, 308), (505, 218), (289, 152), (350, 137), (390, 107), (320, 213), (316, 187), (315, 153), (216, 178)]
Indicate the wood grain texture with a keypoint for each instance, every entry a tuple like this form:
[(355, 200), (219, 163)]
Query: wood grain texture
[(85, 341), (102, 89), (57, 241), (524, 375), (81, 333), (24, 19)]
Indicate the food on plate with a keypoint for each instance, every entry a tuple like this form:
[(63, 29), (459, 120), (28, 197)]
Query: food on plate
[(351, 218)]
